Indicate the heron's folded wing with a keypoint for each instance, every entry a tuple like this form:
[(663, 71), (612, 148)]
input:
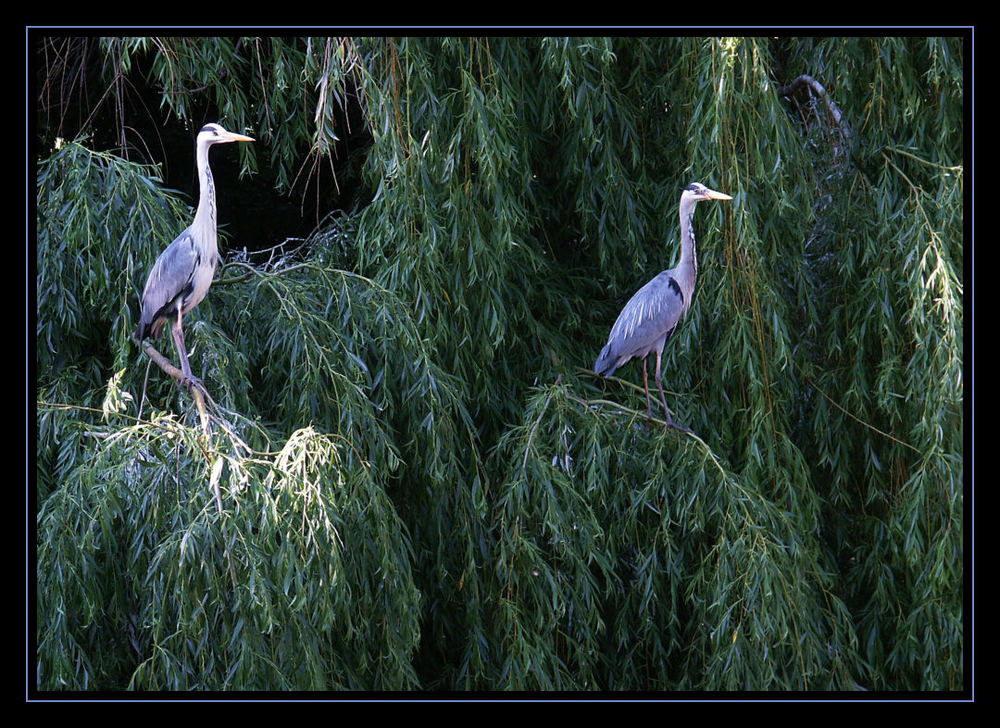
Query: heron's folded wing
[(650, 314), (170, 277)]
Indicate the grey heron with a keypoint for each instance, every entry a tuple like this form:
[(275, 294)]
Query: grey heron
[(182, 274), (652, 314)]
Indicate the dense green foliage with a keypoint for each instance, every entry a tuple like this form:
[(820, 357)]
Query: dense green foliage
[(412, 479)]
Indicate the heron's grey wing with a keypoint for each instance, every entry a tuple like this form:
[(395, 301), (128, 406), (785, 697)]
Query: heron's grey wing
[(644, 325), (170, 277)]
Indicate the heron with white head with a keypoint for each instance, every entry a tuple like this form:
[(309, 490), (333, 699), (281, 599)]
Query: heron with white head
[(183, 273), (652, 314)]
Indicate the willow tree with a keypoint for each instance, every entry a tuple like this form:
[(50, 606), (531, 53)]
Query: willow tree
[(408, 476)]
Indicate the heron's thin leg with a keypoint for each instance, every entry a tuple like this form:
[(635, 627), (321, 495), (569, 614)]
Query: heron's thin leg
[(178, 333), (645, 387), (663, 398)]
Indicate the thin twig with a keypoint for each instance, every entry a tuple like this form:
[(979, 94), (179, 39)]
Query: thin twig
[(534, 428), (855, 418), (256, 271), (636, 414), (946, 168)]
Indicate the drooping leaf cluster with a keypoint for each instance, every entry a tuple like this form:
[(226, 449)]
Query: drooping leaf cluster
[(410, 477), (887, 419)]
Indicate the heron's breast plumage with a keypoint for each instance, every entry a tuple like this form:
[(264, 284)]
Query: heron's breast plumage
[(201, 280)]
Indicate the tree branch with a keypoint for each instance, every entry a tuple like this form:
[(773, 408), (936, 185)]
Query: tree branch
[(176, 374), (815, 87)]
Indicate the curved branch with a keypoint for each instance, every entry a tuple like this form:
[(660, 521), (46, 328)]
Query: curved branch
[(197, 392), (815, 87)]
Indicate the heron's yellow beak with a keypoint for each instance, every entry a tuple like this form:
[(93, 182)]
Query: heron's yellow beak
[(240, 138), (713, 195)]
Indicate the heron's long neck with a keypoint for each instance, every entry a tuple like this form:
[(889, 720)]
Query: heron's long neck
[(204, 217), (687, 268)]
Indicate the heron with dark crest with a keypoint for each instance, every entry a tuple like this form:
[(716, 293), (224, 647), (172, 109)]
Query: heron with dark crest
[(183, 273), (651, 316)]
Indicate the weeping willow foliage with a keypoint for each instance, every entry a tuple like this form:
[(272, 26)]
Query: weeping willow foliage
[(409, 478)]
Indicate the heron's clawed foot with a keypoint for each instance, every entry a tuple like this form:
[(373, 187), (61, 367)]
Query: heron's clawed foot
[(189, 382), (670, 423)]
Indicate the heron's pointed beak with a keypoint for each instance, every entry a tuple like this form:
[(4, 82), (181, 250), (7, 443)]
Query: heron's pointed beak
[(239, 138), (713, 195)]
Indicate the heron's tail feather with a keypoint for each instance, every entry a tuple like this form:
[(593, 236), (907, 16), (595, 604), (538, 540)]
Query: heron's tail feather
[(606, 363), (147, 329)]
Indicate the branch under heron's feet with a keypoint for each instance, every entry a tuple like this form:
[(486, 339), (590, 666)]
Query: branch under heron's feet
[(680, 428), (669, 423), (190, 382), (187, 382)]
